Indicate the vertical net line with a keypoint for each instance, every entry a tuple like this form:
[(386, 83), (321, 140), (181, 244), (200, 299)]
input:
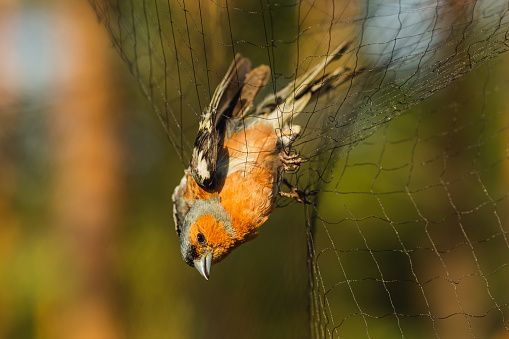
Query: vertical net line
[(408, 193)]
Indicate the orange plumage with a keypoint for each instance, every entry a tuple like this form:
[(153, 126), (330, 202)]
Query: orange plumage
[(248, 194)]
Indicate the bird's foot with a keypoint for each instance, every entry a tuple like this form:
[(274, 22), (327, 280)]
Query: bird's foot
[(291, 162), (297, 194)]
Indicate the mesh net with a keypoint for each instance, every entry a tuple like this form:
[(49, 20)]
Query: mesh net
[(408, 235)]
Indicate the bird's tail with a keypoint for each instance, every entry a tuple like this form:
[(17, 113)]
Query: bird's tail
[(281, 108), (296, 95)]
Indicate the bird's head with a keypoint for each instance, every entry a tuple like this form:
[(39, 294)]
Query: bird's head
[(207, 235)]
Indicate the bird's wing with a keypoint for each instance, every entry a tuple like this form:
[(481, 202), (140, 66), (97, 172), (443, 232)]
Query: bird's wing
[(180, 205), (255, 81), (213, 122)]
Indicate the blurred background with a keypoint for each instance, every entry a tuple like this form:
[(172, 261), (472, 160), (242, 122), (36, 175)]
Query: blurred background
[(87, 241)]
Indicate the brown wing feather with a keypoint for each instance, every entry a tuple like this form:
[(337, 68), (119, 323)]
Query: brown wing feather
[(236, 77), (255, 81)]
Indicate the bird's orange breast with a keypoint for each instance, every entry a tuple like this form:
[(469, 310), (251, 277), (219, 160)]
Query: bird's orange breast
[(251, 186), (250, 189)]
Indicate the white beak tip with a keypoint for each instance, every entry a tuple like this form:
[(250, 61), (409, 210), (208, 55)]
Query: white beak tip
[(203, 265)]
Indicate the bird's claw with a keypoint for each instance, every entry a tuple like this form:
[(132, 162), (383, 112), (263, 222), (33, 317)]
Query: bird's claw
[(291, 162), (297, 194)]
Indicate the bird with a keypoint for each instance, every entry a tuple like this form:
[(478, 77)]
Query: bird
[(240, 156)]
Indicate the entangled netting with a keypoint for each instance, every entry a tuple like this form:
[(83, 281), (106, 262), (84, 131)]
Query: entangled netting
[(408, 234)]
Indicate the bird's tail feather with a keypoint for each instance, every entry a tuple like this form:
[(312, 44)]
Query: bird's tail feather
[(287, 103)]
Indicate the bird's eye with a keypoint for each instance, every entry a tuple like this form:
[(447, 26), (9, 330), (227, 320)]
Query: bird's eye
[(200, 238)]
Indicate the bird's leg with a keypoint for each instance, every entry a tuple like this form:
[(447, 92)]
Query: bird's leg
[(287, 137), (299, 195), (291, 162)]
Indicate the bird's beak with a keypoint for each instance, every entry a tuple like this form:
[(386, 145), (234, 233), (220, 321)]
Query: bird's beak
[(203, 265)]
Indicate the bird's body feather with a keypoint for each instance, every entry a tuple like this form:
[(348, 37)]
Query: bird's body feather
[(250, 185)]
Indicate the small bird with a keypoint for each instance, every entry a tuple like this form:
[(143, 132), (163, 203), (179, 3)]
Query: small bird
[(240, 156)]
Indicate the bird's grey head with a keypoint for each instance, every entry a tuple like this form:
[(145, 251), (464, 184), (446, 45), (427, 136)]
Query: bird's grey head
[(195, 248)]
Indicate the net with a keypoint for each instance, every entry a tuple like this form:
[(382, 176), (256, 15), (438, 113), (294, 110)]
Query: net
[(407, 236)]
